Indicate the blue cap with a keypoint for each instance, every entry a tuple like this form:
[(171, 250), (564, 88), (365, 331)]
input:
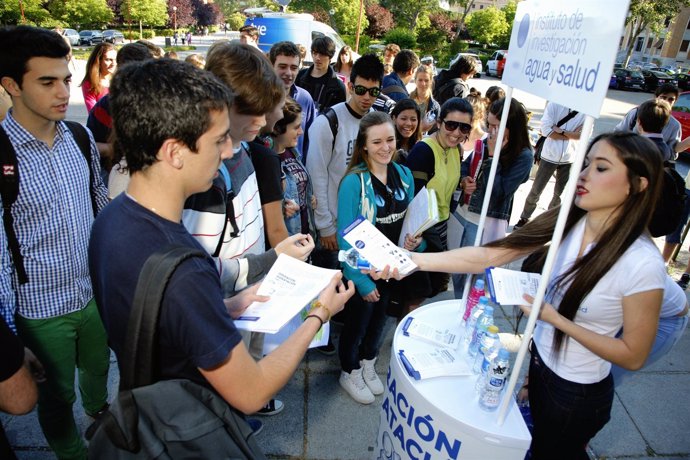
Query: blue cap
[(484, 300), (503, 354), (479, 284), (489, 309)]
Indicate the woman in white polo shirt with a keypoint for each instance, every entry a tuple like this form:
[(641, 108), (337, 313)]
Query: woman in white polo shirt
[(608, 274)]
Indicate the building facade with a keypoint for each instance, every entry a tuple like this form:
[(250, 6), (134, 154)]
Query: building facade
[(670, 47)]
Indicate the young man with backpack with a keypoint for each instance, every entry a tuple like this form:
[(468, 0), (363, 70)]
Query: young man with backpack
[(404, 66), (671, 132), (320, 80), (331, 141), (453, 82), (174, 150), (51, 191)]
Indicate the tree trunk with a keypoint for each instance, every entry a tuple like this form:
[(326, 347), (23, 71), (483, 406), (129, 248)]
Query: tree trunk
[(635, 31), (141, 30), (461, 21)]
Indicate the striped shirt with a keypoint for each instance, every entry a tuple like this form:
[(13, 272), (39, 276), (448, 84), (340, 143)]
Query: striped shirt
[(52, 219)]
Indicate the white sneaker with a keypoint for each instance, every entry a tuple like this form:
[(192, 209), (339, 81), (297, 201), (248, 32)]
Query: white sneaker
[(354, 384), (370, 376)]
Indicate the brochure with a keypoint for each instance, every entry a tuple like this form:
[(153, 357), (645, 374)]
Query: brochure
[(422, 213), (444, 337), (273, 341), (506, 287), (291, 285), (439, 362), (375, 247)]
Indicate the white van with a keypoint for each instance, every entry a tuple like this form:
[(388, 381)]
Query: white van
[(300, 28)]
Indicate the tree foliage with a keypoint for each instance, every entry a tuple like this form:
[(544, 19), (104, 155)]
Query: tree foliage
[(184, 16), (206, 14), (148, 12), (34, 13), (402, 37), (509, 12), (437, 34), (344, 18), (86, 13), (380, 20), (487, 25), (651, 15), (408, 12)]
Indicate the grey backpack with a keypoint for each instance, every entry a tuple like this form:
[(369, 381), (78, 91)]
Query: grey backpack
[(167, 419)]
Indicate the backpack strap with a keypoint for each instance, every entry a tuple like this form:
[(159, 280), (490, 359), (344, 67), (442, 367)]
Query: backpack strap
[(84, 143), (9, 190), (139, 357), (332, 118), (393, 89), (633, 120)]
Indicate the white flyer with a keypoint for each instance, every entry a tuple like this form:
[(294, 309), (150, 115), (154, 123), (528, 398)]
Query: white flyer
[(444, 336), (439, 362), (506, 287), (376, 248), (291, 284)]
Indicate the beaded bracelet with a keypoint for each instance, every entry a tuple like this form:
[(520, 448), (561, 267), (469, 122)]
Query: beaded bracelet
[(315, 316), (317, 304)]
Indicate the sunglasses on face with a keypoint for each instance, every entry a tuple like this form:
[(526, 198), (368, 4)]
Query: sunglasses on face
[(361, 90), (453, 125)]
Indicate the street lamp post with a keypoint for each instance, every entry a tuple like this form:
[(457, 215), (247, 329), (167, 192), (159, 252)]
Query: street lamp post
[(174, 18)]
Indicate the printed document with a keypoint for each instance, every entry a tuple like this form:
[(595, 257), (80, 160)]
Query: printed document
[(291, 284), (422, 213), (446, 337), (439, 362), (373, 245), (506, 287)]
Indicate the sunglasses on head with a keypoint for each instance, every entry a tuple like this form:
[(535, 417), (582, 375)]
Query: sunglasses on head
[(361, 90), (453, 125)]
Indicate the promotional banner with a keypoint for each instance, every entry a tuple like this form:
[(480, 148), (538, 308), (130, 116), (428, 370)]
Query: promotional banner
[(565, 51)]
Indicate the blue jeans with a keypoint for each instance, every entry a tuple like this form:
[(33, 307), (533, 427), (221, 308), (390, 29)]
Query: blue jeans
[(363, 329), (668, 334), (566, 414)]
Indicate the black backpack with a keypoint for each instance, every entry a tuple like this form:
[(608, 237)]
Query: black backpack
[(166, 419), (9, 188), (669, 207)]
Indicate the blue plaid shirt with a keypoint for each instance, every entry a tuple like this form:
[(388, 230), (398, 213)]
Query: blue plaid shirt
[(52, 219)]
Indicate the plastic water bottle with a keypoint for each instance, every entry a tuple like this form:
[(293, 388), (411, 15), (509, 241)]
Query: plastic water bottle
[(352, 258), (490, 396), (483, 323), (487, 351), (473, 298), (471, 323)]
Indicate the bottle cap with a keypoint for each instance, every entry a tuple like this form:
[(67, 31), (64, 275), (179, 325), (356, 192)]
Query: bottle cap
[(493, 329), (479, 284), (489, 310), (503, 354), (484, 300), (342, 255)]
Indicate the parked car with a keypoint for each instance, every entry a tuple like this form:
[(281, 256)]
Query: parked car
[(90, 37), (681, 112), (683, 81), (667, 70), (113, 36), (496, 63), (652, 79), (613, 82), (72, 35), (477, 62), (629, 79)]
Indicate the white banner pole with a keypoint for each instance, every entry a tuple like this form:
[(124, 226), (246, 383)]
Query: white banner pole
[(567, 199)]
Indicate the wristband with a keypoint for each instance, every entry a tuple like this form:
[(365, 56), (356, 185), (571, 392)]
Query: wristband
[(315, 316), (317, 304)]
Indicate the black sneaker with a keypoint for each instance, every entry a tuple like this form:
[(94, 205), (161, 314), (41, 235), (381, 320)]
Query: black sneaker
[(684, 281), (274, 406), (520, 223), (256, 425), (97, 415), (328, 349)]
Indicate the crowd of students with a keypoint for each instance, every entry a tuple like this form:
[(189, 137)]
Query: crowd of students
[(254, 156)]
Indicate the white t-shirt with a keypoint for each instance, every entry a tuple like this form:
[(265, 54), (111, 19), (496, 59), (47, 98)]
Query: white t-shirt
[(674, 299), (639, 269)]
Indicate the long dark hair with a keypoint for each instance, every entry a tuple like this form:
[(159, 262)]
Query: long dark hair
[(401, 106), (624, 226), (518, 137)]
